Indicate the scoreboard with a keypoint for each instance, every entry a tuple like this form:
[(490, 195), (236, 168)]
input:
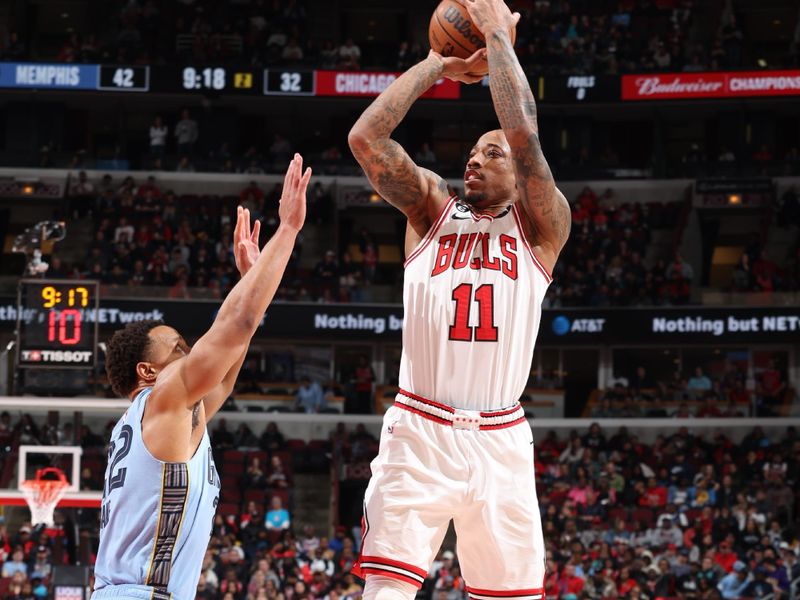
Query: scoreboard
[(55, 324), (204, 79), (212, 80)]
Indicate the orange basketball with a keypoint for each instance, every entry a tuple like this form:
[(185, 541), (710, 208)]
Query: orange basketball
[(452, 32)]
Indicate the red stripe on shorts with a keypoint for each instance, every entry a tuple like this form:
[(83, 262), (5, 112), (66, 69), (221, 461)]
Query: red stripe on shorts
[(394, 563), (422, 413), (449, 409), (392, 574), (503, 425), (501, 413), (505, 593)]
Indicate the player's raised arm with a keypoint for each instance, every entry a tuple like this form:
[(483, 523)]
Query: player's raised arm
[(222, 347), (545, 206), (406, 186)]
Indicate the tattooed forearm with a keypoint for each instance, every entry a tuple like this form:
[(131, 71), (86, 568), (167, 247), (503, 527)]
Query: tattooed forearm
[(386, 164), (548, 211), (511, 94), (389, 109)]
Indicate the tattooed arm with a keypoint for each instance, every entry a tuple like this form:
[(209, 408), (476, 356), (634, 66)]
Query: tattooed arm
[(547, 211), (417, 192)]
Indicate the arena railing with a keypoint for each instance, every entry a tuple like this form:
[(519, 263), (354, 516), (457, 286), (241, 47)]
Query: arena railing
[(97, 412)]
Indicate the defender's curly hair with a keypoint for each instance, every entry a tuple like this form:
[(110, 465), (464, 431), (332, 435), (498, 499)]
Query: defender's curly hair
[(124, 350)]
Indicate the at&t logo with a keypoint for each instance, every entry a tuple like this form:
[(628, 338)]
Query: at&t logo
[(562, 325)]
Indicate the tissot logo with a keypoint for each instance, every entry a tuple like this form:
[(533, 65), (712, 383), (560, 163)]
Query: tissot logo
[(57, 356)]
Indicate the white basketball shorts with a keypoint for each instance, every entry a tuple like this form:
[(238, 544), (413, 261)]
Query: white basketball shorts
[(438, 463)]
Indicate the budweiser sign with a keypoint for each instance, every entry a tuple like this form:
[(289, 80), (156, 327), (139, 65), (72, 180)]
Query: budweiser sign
[(726, 84)]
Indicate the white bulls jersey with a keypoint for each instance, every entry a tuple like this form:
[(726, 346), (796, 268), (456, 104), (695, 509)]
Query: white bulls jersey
[(473, 292)]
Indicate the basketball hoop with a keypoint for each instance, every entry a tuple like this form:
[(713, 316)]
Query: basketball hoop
[(43, 495)]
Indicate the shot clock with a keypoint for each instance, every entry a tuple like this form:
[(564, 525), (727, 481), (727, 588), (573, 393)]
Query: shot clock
[(55, 324)]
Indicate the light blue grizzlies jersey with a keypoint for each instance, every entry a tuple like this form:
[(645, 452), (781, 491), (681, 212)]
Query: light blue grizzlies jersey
[(156, 517)]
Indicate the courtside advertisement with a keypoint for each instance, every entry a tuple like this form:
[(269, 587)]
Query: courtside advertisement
[(725, 84)]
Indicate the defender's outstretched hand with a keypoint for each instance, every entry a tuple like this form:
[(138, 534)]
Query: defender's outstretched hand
[(292, 209), (245, 241), (465, 70), (490, 15)]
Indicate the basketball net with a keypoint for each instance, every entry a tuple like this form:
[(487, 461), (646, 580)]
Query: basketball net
[(43, 495)]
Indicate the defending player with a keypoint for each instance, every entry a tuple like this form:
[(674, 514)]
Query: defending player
[(456, 443), (161, 485)]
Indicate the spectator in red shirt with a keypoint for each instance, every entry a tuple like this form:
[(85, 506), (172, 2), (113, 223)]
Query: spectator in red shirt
[(625, 582), (709, 408), (771, 387), (724, 557), (763, 154), (588, 200), (600, 221), (364, 378), (149, 188), (251, 196), (655, 495), (569, 582)]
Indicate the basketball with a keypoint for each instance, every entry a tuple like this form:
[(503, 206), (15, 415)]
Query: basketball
[(452, 32)]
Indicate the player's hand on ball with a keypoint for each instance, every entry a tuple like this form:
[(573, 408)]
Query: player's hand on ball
[(292, 208), (245, 241), (465, 70), (491, 15)]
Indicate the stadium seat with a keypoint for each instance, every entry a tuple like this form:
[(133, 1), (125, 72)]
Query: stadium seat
[(643, 515)]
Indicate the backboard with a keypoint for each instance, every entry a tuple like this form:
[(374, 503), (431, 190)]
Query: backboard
[(66, 458)]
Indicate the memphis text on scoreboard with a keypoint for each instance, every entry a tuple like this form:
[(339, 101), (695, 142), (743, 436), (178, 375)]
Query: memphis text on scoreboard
[(59, 76)]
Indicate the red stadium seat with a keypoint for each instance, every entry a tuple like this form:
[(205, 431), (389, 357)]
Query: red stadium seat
[(232, 456), (616, 513), (262, 457), (260, 497), (230, 482), (295, 444), (643, 515), (228, 508)]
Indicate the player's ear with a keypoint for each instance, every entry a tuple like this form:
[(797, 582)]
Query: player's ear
[(146, 372)]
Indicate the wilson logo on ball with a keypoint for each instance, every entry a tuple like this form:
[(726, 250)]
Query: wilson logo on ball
[(462, 26)]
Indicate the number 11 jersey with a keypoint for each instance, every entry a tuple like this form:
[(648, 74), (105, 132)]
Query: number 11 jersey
[(472, 295), (155, 518)]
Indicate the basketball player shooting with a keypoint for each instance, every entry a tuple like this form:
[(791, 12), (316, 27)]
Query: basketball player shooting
[(456, 444), (161, 486)]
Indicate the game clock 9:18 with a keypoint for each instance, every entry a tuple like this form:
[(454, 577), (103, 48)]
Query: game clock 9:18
[(210, 78)]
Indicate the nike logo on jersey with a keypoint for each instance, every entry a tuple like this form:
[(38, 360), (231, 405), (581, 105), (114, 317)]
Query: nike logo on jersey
[(464, 212), (474, 250)]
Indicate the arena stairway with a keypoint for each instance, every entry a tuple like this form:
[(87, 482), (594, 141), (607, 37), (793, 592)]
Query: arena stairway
[(780, 242), (73, 248), (312, 501)]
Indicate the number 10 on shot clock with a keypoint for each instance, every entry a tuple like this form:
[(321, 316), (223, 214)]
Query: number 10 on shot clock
[(56, 324)]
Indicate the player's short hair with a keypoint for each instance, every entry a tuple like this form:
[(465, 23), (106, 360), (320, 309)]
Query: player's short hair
[(125, 349)]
